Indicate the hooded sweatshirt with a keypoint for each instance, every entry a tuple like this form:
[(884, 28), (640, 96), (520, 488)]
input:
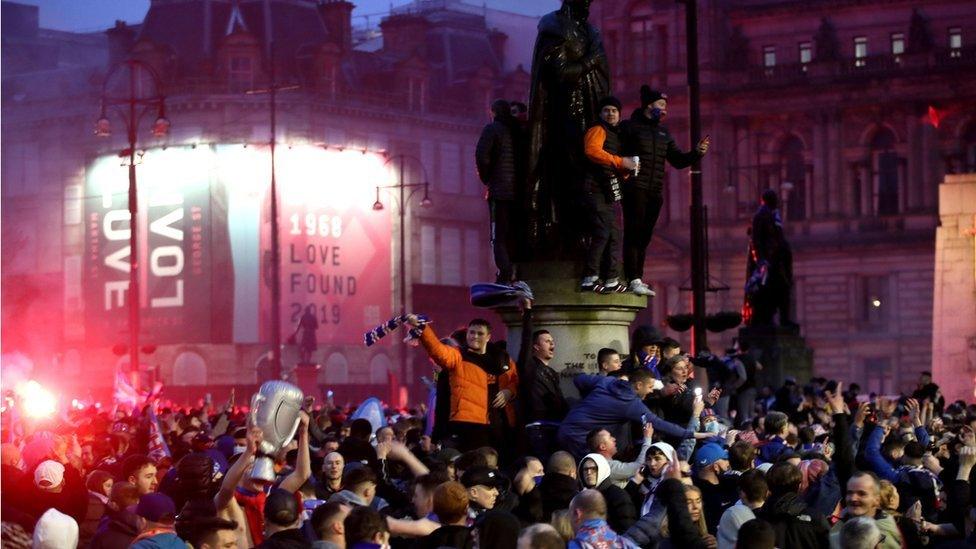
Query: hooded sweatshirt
[(621, 513), (55, 530), (610, 403), (649, 487)]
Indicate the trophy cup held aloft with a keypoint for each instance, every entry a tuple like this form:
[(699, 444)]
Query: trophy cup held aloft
[(276, 410)]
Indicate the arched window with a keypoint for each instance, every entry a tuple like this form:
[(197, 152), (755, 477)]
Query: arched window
[(189, 368), (884, 171), (794, 171), (336, 371), (378, 368)]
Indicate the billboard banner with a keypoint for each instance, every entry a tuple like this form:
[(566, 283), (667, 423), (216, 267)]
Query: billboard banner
[(174, 247), (204, 244)]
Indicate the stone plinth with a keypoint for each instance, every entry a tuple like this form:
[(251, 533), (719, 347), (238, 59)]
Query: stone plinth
[(581, 322), (954, 303), (781, 351)]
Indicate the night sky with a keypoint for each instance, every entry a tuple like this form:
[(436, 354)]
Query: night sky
[(95, 15)]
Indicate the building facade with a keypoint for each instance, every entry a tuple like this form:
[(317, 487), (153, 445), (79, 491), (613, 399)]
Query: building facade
[(853, 111)]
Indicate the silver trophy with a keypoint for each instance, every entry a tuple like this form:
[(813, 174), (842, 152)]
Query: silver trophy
[(276, 410)]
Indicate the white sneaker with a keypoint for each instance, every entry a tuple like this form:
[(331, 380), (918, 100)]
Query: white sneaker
[(638, 287), (589, 283)]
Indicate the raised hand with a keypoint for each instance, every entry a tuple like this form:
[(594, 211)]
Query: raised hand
[(835, 399)]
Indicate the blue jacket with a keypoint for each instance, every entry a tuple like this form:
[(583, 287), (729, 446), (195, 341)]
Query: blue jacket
[(160, 541), (611, 403), (772, 449)]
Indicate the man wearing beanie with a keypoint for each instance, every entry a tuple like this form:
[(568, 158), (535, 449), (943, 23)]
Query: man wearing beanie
[(602, 194), (159, 523), (644, 136)]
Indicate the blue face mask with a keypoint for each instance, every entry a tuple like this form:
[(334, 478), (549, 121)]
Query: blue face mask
[(658, 114), (713, 427)]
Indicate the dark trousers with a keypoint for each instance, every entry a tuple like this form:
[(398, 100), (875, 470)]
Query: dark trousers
[(502, 214), (641, 210), (603, 251), (542, 440), (468, 436)]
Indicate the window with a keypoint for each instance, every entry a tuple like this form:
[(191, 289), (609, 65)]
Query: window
[(897, 45), (642, 38), (885, 172), (806, 52), (450, 172), (955, 41), (769, 56), (240, 77), (860, 51), (450, 257), (428, 255), (877, 375), (472, 256), (873, 303), (794, 173)]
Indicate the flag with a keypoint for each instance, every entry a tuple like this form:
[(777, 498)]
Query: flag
[(157, 444), (371, 410)]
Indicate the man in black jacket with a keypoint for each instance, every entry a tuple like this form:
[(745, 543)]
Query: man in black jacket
[(542, 402), (495, 158), (645, 137)]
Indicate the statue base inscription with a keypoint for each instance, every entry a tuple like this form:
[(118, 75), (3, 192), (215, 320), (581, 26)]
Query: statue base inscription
[(581, 322)]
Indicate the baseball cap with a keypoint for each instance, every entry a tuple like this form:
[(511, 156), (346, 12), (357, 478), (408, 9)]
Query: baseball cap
[(481, 476), (156, 507), (709, 454), (48, 475)]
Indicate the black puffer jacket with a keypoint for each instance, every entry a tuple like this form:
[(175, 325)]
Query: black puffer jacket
[(796, 525), (654, 144), (495, 158)]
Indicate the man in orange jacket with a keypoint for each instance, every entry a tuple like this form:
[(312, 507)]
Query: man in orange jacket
[(483, 380)]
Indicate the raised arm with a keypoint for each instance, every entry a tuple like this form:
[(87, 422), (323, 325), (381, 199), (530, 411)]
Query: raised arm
[(236, 471), (303, 463), (872, 452), (446, 357)]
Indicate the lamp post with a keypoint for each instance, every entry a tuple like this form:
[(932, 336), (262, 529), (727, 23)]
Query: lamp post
[(131, 89), (403, 197)]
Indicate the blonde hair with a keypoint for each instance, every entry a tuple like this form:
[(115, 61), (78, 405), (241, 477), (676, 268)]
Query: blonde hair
[(563, 524), (888, 494)]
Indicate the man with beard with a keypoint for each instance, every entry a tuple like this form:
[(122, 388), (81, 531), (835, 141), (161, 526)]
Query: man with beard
[(484, 384), (644, 136), (570, 75)]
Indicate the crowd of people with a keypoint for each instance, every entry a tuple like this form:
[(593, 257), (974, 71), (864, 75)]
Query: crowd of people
[(647, 454)]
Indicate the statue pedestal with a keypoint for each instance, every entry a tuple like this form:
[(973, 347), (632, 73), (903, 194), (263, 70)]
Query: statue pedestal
[(581, 322), (781, 351), (305, 376)]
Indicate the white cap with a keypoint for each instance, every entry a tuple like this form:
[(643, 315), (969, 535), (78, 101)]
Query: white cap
[(48, 475), (55, 530)]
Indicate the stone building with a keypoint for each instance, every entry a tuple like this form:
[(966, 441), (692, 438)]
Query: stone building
[(853, 111), (421, 91)]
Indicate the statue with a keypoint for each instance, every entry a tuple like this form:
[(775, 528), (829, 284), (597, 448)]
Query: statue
[(570, 76), (769, 267)]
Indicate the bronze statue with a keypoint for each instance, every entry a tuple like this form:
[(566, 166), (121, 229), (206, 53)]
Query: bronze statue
[(570, 75), (769, 267)]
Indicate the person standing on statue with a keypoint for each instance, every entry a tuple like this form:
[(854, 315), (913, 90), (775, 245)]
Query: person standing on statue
[(495, 159), (770, 274), (570, 76), (307, 344), (601, 199), (645, 136)]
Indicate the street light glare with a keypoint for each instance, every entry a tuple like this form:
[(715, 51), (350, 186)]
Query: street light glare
[(37, 401)]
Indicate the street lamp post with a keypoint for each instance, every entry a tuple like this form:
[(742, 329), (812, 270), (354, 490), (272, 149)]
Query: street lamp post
[(403, 197), (131, 98)]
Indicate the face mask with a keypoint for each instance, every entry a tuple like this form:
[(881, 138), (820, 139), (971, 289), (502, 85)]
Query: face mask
[(658, 114), (713, 427)]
